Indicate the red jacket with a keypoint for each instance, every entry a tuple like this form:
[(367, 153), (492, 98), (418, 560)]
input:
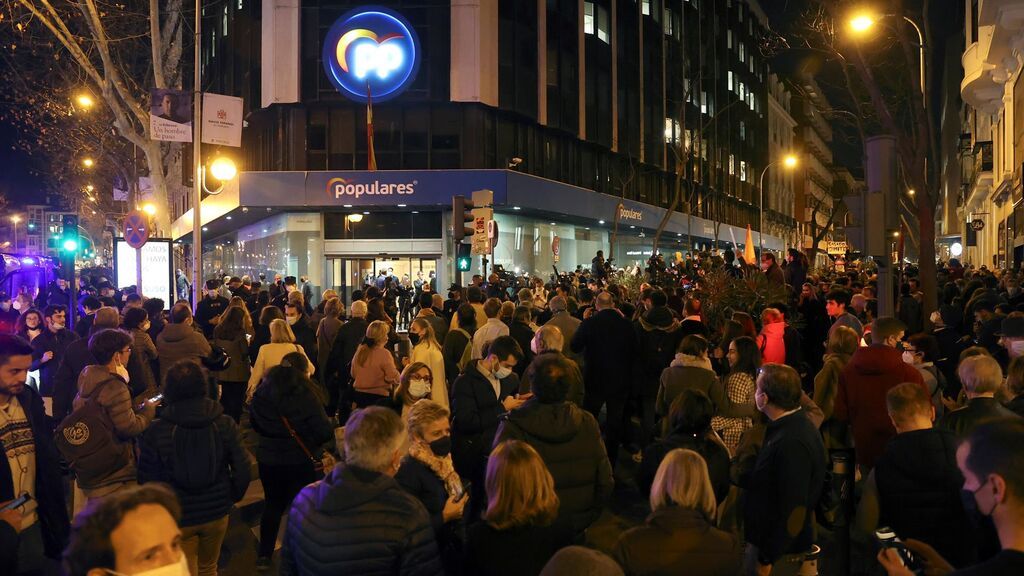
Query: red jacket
[(863, 384)]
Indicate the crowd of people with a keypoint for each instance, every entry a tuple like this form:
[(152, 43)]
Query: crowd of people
[(488, 431)]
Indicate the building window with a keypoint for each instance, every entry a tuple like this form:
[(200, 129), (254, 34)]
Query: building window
[(703, 102), (743, 52), (603, 24), (730, 80), (732, 165), (728, 39), (743, 131), (668, 22), (588, 17), (743, 170), (672, 130), (645, 7), (595, 21)]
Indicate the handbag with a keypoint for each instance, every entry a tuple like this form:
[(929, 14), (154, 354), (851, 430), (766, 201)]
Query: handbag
[(218, 359), (318, 465)]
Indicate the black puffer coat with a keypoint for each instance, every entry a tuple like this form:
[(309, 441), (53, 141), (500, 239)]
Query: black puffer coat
[(182, 446), (356, 521), (569, 440), (306, 416)]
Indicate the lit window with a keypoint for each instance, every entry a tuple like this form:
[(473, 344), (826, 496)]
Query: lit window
[(743, 131), (603, 24), (645, 7), (728, 39), (743, 52), (743, 91), (669, 137), (588, 17), (730, 80), (224, 21), (668, 22), (703, 102), (732, 164), (743, 170)]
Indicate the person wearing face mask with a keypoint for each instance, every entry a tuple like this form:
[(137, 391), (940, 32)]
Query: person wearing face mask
[(426, 350), (8, 315), (993, 485), (132, 533), (211, 307), (921, 351), (106, 382), (359, 520), (140, 365), (48, 348), (860, 399), (785, 483), (981, 378), (772, 270), (415, 384), (486, 389), (374, 375), (427, 473), (915, 486), (30, 324), (305, 335)]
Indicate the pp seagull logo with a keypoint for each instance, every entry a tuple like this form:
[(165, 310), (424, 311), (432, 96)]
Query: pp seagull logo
[(370, 54)]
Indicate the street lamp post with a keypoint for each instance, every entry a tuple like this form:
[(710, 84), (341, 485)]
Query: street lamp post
[(789, 161), (862, 23), (14, 220), (197, 162)]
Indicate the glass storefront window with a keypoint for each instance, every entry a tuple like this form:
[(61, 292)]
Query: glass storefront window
[(524, 245)]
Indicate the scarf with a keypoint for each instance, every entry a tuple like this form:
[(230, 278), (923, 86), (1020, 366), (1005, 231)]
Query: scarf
[(442, 467), (685, 360)]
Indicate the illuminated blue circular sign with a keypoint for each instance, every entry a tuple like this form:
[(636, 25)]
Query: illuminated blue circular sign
[(371, 51)]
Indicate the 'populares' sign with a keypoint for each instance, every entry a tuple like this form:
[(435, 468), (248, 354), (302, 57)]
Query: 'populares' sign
[(371, 52)]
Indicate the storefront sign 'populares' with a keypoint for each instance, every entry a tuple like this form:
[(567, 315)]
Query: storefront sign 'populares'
[(371, 52)]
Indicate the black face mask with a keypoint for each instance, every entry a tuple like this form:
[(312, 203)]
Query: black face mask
[(442, 446), (414, 338), (974, 515)]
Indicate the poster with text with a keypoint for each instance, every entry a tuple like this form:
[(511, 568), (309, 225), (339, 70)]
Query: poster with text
[(222, 120), (157, 274), (170, 115)]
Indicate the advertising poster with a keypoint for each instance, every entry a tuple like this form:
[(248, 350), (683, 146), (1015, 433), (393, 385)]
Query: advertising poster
[(157, 274), (170, 115), (222, 120)]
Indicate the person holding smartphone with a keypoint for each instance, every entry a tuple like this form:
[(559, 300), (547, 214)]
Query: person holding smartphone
[(428, 474)]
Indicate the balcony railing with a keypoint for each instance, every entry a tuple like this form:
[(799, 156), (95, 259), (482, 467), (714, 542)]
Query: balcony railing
[(982, 157)]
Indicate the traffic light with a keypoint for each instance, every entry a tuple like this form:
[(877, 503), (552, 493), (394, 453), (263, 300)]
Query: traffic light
[(463, 260), (462, 218), (69, 238)]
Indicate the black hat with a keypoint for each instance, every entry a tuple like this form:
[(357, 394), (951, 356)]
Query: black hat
[(455, 288), (1012, 327), (289, 280)]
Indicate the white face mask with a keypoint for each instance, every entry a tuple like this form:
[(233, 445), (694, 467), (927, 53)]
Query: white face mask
[(908, 357), (179, 568), (502, 372), (1017, 348), (122, 372), (534, 346), (57, 327), (17, 305), (418, 388)]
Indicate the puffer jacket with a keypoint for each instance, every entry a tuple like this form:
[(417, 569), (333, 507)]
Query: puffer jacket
[(687, 372), (771, 341), (569, 441), (140, 364), (180, 342), (356, 521), (116, 400), (191, 441)]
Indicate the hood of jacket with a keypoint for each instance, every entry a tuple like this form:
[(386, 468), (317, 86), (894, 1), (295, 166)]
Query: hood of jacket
[(687, 361), (177, 332), (774, 330), (192, 412), (349, 487), (876, 359), (553, 423), (91, 378), (659, 318), (924, 455)]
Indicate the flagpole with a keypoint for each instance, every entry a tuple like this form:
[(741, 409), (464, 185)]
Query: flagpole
[(371, 158)]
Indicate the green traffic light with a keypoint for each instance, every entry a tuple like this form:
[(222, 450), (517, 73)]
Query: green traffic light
[(464, 264), (71, 245)]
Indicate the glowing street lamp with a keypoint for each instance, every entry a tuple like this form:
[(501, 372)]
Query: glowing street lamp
[(85, 101), (149, 208), (89, 188), (14, 220), (789, 161), (88, 162), (862, 23)]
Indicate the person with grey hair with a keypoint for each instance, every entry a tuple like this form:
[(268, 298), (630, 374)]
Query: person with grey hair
[(566, 324), (981, 377), (548, 341), (359, 520)]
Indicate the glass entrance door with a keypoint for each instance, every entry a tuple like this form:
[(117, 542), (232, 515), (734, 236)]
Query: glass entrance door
[(348, 274)]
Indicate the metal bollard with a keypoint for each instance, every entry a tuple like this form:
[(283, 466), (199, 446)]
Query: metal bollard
[(809, 567)]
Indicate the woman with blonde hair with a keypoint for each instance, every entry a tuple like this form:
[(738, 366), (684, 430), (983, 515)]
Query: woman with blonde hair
[(842, 343), (238, 302), (522, 508), (374, 373), (679, 537), (427, 473), (425, 349), (282, 343)]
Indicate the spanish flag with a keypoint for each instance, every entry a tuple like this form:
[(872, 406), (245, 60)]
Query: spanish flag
[(371, 158), (748, 249)]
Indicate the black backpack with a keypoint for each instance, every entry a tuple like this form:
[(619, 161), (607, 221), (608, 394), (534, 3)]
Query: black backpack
[(197, 456), (86, 440)]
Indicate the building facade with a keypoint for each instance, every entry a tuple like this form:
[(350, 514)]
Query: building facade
[(993, 128), (814, 176), (611, 97), (780, 219)]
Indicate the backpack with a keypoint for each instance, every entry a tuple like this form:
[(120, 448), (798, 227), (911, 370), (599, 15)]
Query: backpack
[(197, 457), (86, 440)]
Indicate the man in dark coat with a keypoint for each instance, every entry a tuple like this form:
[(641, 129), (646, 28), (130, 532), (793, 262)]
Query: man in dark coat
[(486, 389), (358, 520), (337, 374), (608, 344), (89, 305), (772, 270), (304, 335), (26, 440), (915, 486), (8, 316), (981, 378), (210, 308), (784, 486), (658, 337), (48, 348), (566, 437)]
